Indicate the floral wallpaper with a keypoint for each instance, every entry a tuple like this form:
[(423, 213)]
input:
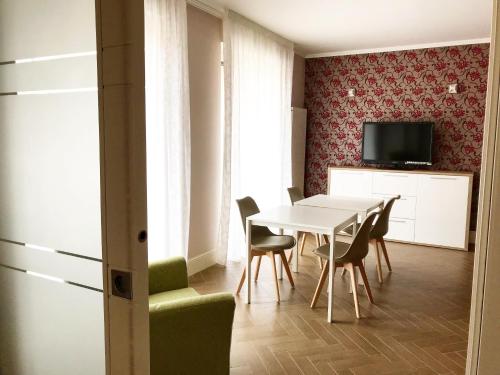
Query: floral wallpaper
[(396, 86)]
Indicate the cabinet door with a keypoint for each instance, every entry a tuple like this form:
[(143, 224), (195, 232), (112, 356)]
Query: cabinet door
[(401, 230), (350, 183), (442, 210)]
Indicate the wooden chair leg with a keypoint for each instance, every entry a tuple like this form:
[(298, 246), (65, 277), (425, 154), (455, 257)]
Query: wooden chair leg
[(273, 261), (287, 268), (302, 242), (242, 280), (257, 269), (362, 271), (320, 263), (354, 284), (379, 266), (318, 240), (321, 282), (386, 256), (290, 257), (326, 239)]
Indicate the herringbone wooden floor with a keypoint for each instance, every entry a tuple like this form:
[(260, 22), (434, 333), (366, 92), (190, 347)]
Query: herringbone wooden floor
[(417, 326)]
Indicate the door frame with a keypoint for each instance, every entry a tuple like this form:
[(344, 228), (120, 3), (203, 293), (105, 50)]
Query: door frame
[(489, 205), (122, 129)]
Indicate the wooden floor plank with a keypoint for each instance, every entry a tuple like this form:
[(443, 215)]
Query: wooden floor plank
[(418, 325)]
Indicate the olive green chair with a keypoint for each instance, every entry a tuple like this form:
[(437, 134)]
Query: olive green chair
[(264, 242), (189, 333), (378, 231), (295, 195), (348, 256)]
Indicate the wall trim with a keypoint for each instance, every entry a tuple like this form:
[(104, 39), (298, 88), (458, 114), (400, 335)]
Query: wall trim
[(208, 6), (201, 262), (472, 237), (399, 48)]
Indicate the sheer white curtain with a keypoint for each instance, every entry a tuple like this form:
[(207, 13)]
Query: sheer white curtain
[(168, 128), (258, 69)]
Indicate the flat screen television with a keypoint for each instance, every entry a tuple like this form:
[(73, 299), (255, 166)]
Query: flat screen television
[(397, 143)]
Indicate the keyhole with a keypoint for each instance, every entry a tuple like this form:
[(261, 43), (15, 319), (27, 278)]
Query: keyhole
[(143, 236)]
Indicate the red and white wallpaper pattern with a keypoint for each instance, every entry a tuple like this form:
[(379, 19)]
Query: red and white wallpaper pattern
[(396, 86)]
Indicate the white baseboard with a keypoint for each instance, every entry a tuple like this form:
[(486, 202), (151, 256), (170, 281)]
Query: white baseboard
[(201, 262)]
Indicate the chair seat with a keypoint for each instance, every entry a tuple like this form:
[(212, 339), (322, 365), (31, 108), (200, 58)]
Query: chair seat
[(274, 242), (373, 233), (172, 295), (340, 249)]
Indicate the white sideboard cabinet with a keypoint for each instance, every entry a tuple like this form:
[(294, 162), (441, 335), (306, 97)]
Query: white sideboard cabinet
[(434, 208)]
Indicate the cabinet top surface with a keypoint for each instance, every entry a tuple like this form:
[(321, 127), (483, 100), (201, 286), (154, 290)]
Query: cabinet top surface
[(416, 171), (341, 202)]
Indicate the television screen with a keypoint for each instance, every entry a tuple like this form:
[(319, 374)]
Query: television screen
[(400, 143)]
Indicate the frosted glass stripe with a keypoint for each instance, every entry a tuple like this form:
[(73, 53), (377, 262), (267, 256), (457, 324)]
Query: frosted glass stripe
[(51, 263), (62, 74)]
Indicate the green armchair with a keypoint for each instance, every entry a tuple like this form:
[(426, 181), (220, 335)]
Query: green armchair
[(189, 333)]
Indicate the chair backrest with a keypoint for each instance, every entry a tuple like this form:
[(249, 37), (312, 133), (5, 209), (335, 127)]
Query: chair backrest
[(248, 207), (359, 246), (381, 226), (295, 194)]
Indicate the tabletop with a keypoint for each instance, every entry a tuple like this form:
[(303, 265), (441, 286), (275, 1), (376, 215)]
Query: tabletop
[(309, 218), (341, 202)]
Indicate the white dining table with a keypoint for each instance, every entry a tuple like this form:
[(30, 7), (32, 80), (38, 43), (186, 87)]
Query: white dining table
[(301, 218), (363, 206)]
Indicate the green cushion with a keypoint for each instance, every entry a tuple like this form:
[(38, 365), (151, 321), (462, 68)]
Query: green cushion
[(191, 335), (172, 295), (169, 274)]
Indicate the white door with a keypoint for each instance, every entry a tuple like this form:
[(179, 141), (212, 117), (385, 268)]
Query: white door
[(442, 210), (72, 190)]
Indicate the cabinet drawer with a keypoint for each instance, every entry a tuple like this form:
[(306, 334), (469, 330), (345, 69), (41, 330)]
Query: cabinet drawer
[(403, 208), (350, 183), (387, 183), (401, 230)]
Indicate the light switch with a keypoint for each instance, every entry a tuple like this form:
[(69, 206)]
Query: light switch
[(453, 88)]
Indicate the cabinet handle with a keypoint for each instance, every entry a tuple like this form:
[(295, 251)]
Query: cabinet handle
[(444, 178), (398, 221), (392, 196)]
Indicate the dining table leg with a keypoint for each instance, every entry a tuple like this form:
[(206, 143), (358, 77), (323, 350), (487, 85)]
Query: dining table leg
[(280, 262), (331, 278), (249, 259), (295, 259)]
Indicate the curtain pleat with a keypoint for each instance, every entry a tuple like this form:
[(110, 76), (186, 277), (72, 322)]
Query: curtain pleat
[(258, 68), (168, 128)]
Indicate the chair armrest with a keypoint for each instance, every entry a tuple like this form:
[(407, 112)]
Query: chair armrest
[(192, 335), (170, 274)]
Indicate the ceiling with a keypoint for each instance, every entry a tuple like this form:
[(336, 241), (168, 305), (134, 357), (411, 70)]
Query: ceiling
[(340, 26)]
